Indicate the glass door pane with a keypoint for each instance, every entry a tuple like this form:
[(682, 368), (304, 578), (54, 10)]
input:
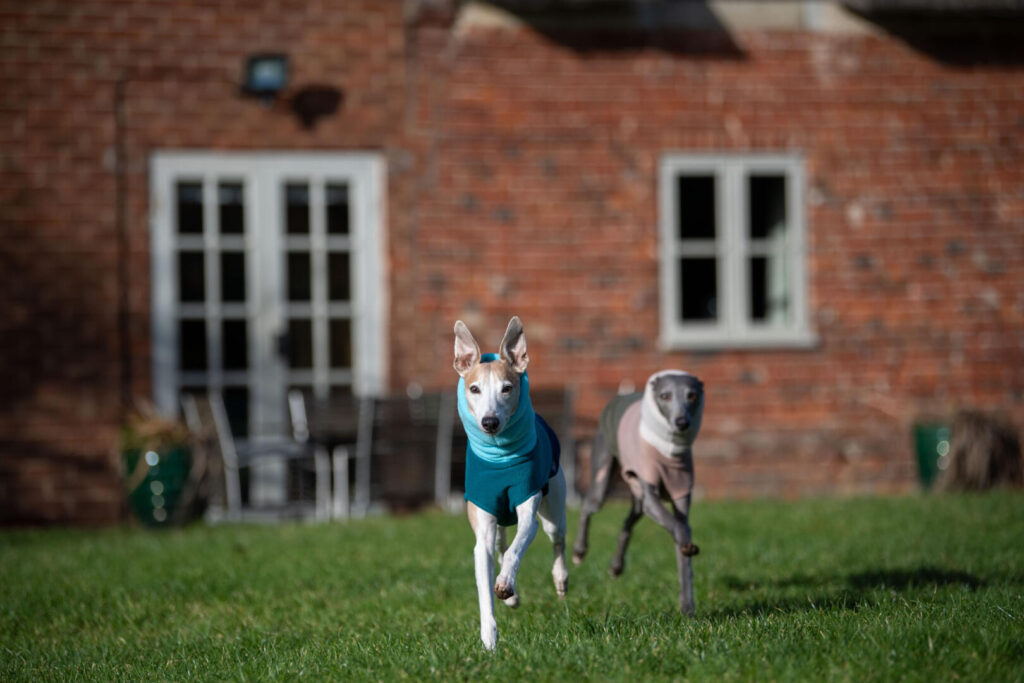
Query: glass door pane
[(339, 284)]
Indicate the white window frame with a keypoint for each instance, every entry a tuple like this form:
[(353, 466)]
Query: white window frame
[(263, 171), (732, 328)]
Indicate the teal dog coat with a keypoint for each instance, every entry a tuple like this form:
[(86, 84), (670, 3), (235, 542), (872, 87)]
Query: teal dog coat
[(504, 470)]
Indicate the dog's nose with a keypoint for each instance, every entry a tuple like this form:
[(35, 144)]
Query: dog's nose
[(490, 424), (682, 423)]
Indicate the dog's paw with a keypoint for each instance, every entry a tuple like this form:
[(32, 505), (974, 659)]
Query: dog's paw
[(513, 602), (689, 550), (561, 586), (489, 636), (504, 590), (577, 557), (616, 567)]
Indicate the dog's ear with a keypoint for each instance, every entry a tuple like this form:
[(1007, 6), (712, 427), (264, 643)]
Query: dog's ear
[(467, 351), (513, 345)]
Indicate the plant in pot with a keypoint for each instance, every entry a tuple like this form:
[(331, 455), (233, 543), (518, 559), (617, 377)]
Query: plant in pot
[(164, 468)]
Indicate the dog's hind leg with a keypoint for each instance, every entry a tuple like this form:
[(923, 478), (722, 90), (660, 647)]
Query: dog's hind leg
[(619, 561), (501, 545), (485, 527), (602, 464), (552, 520)]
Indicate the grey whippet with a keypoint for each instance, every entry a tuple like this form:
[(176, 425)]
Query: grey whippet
[(650, 435)]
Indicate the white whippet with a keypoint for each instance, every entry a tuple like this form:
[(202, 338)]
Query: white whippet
[(512, 472)]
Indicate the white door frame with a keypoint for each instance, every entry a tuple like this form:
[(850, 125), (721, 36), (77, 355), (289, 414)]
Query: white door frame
[(264, 245)]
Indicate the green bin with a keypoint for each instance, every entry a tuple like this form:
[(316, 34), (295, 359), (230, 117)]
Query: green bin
[(931, 443)]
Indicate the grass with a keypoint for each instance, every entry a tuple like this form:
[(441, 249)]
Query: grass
[(916, 588)]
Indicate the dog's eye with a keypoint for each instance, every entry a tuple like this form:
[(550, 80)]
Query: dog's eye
[(665, 395), (506, 389), (691, 398), (474, 389)]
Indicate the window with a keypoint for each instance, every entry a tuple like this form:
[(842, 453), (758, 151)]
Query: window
[(732, 251)]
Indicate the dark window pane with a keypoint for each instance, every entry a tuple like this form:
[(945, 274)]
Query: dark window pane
[(767, 205), (300, 343), (696, 207), (190, 208), (236, 405), (232, 208), (338, 277), (337, 209), (341, 343), (298, 276), (235, 345), (699, 289), (191, 276), (758, 288), (232, 276), (296, 198), (193, 344)]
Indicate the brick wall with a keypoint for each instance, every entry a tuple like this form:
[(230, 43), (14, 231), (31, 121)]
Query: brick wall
[(180, 65), (545, 206), (521, 179)]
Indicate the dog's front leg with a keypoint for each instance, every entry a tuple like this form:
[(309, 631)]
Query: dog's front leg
[(656, 511), (485, 527), (675, 523), (526, 529)]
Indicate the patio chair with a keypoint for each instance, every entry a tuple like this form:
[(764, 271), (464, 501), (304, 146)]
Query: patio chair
[(410, 439), (201, 411), (332, 426)]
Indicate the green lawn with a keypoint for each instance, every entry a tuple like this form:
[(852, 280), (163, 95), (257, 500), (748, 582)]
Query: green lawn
[(918, 588)]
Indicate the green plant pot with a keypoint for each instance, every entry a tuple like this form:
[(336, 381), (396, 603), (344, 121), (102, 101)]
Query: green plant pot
[(156, 498)]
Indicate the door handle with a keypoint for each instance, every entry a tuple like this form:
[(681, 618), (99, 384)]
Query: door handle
[(283, 344)]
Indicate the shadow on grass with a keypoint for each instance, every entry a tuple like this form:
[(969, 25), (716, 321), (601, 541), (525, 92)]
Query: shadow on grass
[(845, 592), (904, 579), (893, 579)]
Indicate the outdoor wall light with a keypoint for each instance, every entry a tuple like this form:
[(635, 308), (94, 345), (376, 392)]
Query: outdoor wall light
[(265, 75)]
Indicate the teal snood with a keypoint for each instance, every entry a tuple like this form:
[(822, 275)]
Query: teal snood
[(505, 469), (517, 438)]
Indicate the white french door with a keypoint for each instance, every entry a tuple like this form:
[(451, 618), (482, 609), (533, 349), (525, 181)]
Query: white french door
[(267, 275)]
